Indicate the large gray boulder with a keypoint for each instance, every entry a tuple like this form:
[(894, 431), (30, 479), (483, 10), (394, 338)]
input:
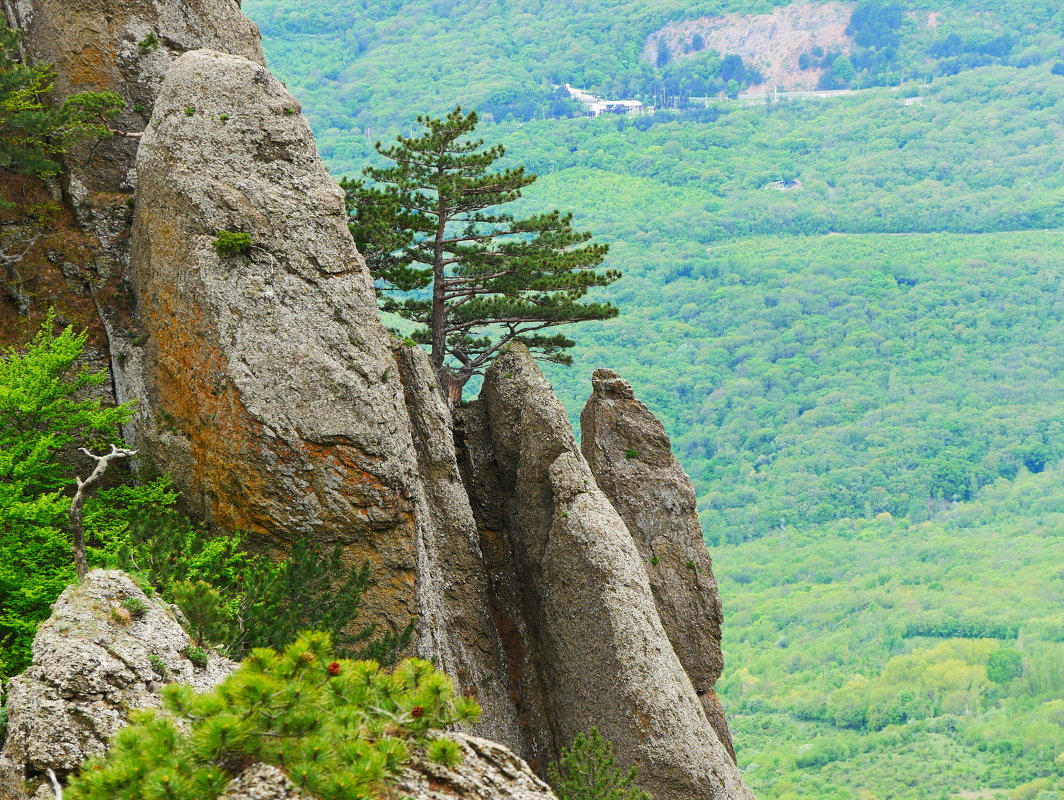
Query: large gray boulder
[(271, 394), (631, 458), (93, 662), (592, 632)]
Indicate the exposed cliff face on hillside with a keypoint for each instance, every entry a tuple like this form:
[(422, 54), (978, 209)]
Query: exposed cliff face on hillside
[(556, 589), (771, 42)]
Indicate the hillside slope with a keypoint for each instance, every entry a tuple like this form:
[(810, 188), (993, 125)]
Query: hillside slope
[(879, 658)]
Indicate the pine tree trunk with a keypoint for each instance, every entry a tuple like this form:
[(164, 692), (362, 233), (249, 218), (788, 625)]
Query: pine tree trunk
[(451, 385), (438, 322)]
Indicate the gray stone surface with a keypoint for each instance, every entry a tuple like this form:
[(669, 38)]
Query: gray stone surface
[(488, 771), (631, 458), (262, 782), (595, 636), (272, 395), (92, 664), (455, 627)]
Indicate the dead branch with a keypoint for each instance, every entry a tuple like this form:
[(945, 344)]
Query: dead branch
[(77, 505)]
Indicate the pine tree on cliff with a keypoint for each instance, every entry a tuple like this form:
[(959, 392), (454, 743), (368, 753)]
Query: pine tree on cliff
[(472, 277)]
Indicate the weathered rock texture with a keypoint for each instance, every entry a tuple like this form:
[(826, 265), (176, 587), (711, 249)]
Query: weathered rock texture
[(124, 46), (631, 458), (454, 626), (488, 771), (92, 663), (271, 394), (591, 649)]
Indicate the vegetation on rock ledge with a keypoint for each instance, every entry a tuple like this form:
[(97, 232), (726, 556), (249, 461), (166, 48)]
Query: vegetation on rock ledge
[(339, 729)]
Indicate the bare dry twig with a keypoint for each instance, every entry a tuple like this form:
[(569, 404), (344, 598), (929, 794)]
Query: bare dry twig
[(77, 523)]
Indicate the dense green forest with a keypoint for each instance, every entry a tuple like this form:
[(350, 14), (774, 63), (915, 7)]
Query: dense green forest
[(846, 311), (362, 66), (878, 658)]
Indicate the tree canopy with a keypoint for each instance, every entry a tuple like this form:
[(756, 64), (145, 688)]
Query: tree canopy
[(472, 277)]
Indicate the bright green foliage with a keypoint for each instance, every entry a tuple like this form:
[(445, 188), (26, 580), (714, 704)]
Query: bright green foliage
[(240, 601), (340, 729), (1004, 664), (228, 243), (833, 691), (588, 771), (33, 135), (38, 410), (39, 415), (472, 278)]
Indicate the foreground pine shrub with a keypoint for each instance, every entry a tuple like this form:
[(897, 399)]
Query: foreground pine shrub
[(339, 729)]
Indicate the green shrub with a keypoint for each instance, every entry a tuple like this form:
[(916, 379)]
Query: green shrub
[(228, 243), (197, 655), (339, 729), (159, 666), (40, 414), (588, 771), (135, 606)]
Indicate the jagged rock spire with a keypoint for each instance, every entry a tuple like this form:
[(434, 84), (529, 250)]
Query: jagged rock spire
[(631, 458)]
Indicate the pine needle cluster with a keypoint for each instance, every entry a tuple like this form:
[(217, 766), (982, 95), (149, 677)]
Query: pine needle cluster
[(588, 771), (339, 729)]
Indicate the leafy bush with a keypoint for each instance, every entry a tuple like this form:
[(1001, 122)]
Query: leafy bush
[(588, 771), (338, 728), (229, 243), (241, 601), (39, 415)]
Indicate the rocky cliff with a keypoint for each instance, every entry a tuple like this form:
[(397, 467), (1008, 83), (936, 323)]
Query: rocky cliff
[(565, 589)]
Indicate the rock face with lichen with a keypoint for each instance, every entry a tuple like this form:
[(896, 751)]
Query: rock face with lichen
[(587, 642), (271, 394), (93, 661), (631, 458)]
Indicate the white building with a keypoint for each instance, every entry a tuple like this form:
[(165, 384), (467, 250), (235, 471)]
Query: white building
[(594, 105)]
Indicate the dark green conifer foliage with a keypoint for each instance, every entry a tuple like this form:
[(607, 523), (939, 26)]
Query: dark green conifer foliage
[(204, 609), (339, 729), (474, 278), (32, 134), (588, 771), (241, 601)]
